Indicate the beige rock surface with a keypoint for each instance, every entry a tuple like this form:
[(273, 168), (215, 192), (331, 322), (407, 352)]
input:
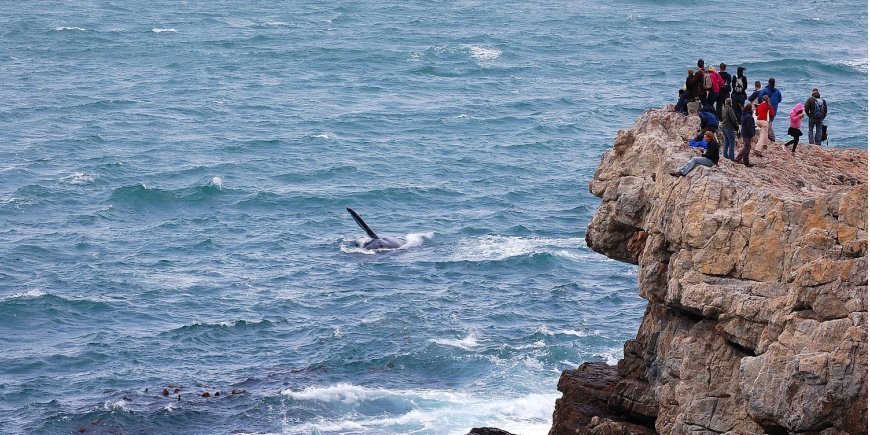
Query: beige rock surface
[(757, 286)]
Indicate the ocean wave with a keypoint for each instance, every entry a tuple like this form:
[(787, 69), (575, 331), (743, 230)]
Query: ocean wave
[(421, 410), (467, 343), (141, 195), (64, 28), (483, 53), (497, 248), (225, 325), (29, 294), (162, 30), (78, 178)]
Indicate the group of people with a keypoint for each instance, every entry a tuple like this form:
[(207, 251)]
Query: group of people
[(726, 107)]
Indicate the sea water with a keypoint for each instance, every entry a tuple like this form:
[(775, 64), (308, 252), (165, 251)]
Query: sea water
[(174, 177)]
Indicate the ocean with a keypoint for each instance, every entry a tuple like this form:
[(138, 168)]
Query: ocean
[(174, 177)]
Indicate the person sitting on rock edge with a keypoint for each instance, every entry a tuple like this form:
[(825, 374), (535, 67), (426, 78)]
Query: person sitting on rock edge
[(710, 158), (709, 121)]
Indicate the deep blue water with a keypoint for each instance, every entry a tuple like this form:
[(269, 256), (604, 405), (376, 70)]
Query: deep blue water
[(173, 178)]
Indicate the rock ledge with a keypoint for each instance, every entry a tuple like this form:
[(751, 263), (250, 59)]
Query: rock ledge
[(757, 286)]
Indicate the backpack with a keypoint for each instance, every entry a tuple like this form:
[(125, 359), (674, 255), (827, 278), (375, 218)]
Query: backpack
[(818, 113), (824, 133), (738, 85), (708, 80)]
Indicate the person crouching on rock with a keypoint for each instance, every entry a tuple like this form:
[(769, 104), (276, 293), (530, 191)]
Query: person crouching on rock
[(794, 128), (710, 158), (747, 131), (709, 121)]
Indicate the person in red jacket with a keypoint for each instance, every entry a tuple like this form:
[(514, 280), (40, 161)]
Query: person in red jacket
[(764, 112), (713, 94)]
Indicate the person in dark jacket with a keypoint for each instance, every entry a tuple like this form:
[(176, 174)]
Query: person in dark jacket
[(755, 98), (738, 89), (697, 88), (725, 91), (775, 98), (730, 125), (710, 157), (747, 131), (685, 95), (816, 109), (709, 121)]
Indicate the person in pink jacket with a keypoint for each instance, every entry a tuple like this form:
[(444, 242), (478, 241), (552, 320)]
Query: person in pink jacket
[(794, 127), (717, 83)]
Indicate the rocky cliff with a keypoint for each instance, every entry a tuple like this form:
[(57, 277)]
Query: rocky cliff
[(757, 286)]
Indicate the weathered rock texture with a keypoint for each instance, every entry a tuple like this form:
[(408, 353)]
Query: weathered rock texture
[(757, 286)]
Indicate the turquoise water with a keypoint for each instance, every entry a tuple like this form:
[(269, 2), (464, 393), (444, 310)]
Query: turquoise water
[(173, 179)]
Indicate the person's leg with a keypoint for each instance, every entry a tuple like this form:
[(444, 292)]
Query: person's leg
[(811, 138), (794, 147), (763, 138), (743, 157), (729, 143), (770, 133), (818, 138)]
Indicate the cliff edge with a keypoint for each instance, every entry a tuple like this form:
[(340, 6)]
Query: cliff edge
[(757, 286)]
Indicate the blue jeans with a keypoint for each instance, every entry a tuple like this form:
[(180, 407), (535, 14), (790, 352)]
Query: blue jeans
[(695, 162), (730, 139), (815, 127), (682, 103), (711, 98)]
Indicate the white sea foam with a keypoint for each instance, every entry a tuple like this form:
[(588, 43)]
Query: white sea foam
[(483, 53), (467, 343), (276, 23), (431, 410), (62, 28), (217, 182), (495, 248), (337, 333), (543, 329), (609, 357), (29, 294), (414, 240), (78, 178), (351, 245), (858, 64), (162, 30)]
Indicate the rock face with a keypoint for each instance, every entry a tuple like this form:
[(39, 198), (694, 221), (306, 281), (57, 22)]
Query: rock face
[(757, 286)]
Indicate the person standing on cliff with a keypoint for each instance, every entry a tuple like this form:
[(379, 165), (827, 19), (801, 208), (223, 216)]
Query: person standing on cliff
[(754, 99), (747, 131), (738, 89), (764, 112), (724, 90), (816, 109), (698, 89), (710, 157), (775, 98), (730, 125)]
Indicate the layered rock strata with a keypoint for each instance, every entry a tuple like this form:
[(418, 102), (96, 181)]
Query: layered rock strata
[(757, 286)]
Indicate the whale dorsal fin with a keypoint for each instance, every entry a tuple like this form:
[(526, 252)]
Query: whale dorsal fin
[(362, 224)]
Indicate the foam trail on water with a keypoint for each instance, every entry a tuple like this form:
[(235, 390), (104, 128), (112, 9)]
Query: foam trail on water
[(217, 182), (467, 343)]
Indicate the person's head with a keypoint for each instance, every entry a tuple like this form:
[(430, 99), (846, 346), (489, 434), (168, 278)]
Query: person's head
[(757, 84), (748, 108), (766, 98), (771, 82), (722, 67), (816, 93), (740, 71), (710, 68), (691, 71), (708, 135), (700, 63), (728, 102)]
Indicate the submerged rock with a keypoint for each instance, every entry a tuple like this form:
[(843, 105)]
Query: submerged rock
[(757, 286)]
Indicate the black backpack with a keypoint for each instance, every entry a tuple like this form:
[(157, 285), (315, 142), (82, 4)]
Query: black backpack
[(738, 85)]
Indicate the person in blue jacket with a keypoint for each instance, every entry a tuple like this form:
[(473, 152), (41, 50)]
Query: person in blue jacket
[(709, 121), (775, 98)]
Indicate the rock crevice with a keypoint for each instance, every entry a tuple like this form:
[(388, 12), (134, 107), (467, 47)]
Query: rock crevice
[(757, 286)]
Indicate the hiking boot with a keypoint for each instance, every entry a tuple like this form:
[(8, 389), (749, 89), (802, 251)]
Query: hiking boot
[(749, 165), (676, 173)]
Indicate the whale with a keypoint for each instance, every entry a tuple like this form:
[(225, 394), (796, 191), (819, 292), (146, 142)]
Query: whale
[(376, 242)]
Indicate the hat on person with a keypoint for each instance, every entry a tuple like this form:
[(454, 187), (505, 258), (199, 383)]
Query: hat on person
[(816, 93)]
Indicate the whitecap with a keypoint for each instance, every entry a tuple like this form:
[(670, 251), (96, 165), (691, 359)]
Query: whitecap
[(337, 333), (78, 178), (217, 182), (413, 240), (467, 343), (29, 294), (276, 23), (483, 53), (62, 28), (496, 248), (858, 64), (162, 30), (609, 357)]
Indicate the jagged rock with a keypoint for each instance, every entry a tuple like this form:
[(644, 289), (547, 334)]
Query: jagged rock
[(757, 286)]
